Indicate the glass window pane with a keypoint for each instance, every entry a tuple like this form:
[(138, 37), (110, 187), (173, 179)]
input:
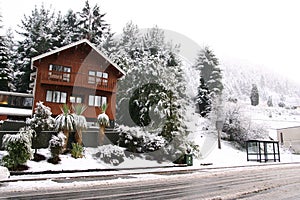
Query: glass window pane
[(92, 73), (63, 97), (104, 100), (99, 74), (91, 79), (49, 96), (91, 100), (98, 80), (56, 97), (72, 99), (105, 82), (97, 101), (60, 68), (79, 100), (28, 101), (67, 69), (105, 75)]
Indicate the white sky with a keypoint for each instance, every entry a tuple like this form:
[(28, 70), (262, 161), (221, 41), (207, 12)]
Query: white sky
[(262, 32)]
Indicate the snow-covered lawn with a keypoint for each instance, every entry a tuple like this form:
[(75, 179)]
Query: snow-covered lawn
[(211, 156)]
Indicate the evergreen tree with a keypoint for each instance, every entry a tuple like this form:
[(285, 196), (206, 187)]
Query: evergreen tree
[(11, 45), (70, 30), (270, 102), (154, 83), (37, 33), (6, 66), (91, 23), (254, 96), (207, 63), (109, 45), (203, 99)]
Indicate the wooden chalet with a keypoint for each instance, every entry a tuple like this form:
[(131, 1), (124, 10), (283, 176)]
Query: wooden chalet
[(76, 73)]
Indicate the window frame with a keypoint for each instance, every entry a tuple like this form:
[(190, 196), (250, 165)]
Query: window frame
[(55, 96), (97, 100), (98, 77), (59, 72), (76, 98)]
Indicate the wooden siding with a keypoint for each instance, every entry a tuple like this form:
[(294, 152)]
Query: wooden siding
[(81, 59)]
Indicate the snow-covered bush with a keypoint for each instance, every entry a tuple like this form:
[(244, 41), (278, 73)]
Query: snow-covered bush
[(239, 128), (56, 146), (139, 141), (281, 104), (111, 154), (41, 120), (18, 147)]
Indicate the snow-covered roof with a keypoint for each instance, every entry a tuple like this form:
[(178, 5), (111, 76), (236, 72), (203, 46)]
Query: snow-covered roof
[(73, 45), (288, 127), (15, 111)]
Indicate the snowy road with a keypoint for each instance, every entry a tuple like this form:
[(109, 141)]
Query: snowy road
[(262, 182)]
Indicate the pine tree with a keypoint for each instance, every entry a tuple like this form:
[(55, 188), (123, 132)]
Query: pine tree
[(203, 99), (37, 32), (109, 45), (270, 102), (71, 31), (91, 23), (154, 83), (254, 96), (207, 63), (11, 45), (6, 66)]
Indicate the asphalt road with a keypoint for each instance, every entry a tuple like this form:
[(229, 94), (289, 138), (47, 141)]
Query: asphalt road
[(263, 182)]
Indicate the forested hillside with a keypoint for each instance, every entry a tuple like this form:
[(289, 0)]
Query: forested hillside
[(238, 80)]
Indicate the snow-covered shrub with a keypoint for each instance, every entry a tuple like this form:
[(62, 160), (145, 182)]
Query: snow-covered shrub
[(56, 146), (139, 141), (41, 120), (77, 151), (281, 104), (239, 128), (18, 147), (111, 154)]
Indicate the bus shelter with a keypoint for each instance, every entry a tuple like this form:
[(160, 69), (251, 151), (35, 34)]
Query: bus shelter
[(262, 150)]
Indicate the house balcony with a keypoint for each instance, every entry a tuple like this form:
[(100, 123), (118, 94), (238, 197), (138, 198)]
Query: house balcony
[(78, 80)]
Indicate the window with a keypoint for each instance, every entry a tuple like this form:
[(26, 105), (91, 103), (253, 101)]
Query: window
[(76, 99), (59, 73), (97, 100), (56, 96), (97, 77)]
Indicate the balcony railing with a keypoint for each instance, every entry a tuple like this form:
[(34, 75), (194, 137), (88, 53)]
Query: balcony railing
[(77, 80)]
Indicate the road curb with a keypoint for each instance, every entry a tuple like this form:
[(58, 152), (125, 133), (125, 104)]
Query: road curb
[(25, 176)]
